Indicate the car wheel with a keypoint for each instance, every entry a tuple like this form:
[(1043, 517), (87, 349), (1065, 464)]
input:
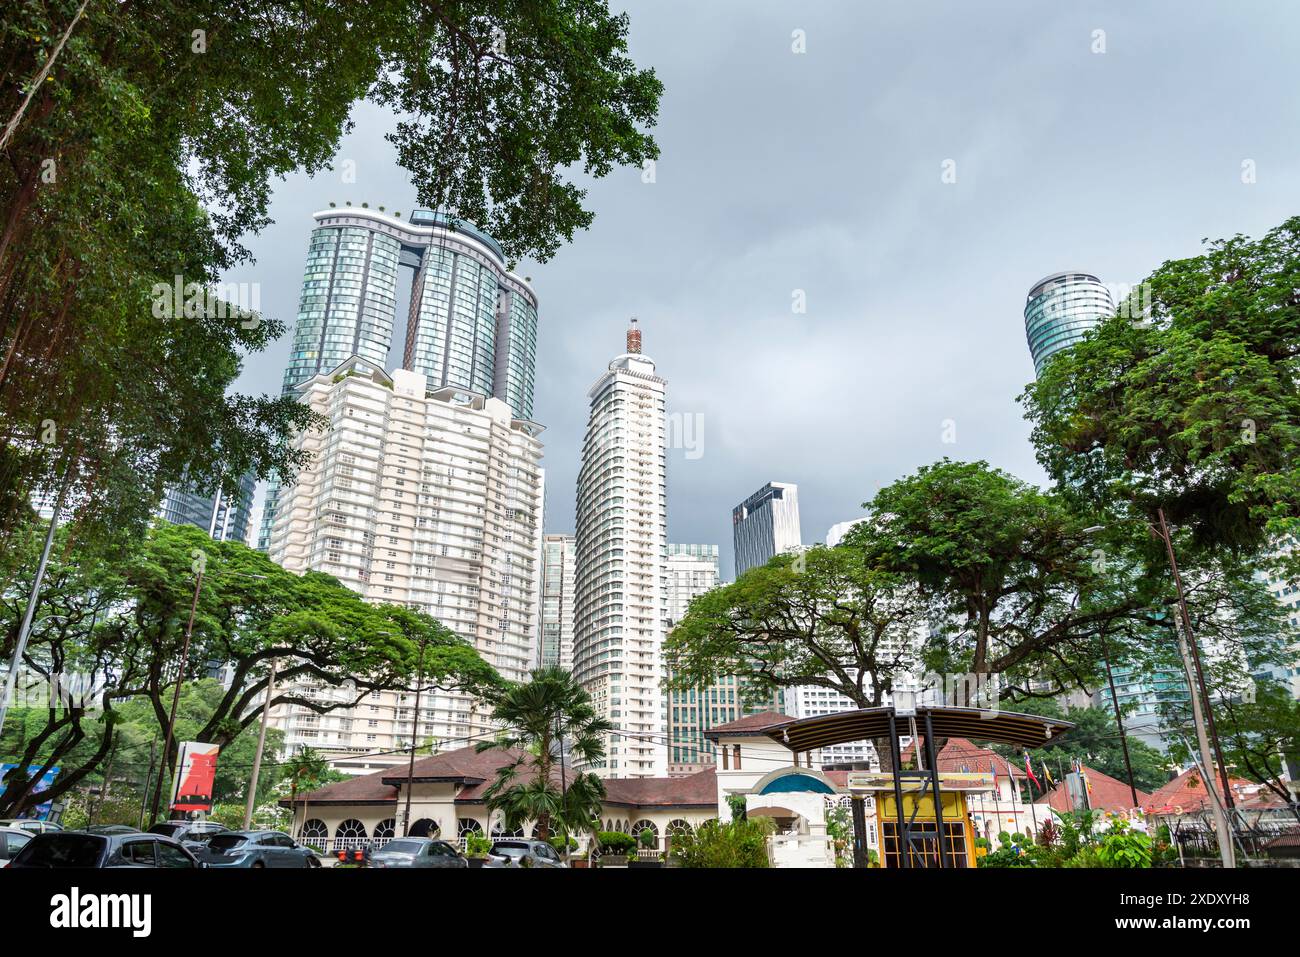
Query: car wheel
[(312, 862), (258, 864)]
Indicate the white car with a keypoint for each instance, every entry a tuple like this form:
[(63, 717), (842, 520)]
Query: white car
[(30, 825), (12, 840)]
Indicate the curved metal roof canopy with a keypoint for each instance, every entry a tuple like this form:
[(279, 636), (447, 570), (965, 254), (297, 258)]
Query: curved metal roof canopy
[(1003, 727)]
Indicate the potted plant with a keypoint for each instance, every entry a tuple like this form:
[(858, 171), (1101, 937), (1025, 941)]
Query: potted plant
[(476, 849), (614, 848), (648, 841)]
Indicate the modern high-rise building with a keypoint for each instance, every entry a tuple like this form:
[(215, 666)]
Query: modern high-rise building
[(556, 646), (1060, 310), (620, 608), (423, 496), (835, 534), (225, 518), (765, 525), (692, 571), (470, 322)]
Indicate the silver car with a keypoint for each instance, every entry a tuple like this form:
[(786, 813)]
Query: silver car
[(417, 852), (30, 825), (256, 849), (12, 840), (518, 852)]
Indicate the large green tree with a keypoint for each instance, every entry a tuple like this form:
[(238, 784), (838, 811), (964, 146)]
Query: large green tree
[(1188, 400), (148, 152), (123, 622), (824, 617), (1008, 572)]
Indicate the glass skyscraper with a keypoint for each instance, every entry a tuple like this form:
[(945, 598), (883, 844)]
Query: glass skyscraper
[(470, 322), (765, 525), (226, 519), (1060, 310)]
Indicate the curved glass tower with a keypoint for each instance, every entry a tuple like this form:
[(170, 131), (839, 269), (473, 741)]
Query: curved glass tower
[(471, 323), (1060, 310)]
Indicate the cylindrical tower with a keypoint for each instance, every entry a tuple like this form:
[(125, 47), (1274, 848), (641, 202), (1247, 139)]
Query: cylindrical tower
[(1061, 309)]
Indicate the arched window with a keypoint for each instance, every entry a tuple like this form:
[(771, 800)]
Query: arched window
[(468, 826), (641, 826), (677, 828), (314, 831), (425, 827), (385, 829), (351, 833)]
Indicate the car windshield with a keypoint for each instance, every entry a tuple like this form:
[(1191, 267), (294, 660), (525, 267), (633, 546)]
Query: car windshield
[(167, 830), (225, 842), (510, 850), (61, 850), (401, 847)]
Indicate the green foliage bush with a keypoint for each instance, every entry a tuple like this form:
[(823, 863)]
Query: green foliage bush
[(741, 843), (615, 842)]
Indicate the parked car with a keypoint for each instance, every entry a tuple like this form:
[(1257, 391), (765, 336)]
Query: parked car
[(417, 852), (12, 840), (111, 829), (58, 849), (30, 825), (257, 849), (523, 853), (193, 834)]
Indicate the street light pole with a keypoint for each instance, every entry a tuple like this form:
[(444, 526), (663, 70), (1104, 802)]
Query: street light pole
[(1196, 684), (25, 629), (176, 696), (257, 756), (415, 738), (1119, 719)]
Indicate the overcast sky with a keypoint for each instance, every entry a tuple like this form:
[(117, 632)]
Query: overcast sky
[(822, 172)]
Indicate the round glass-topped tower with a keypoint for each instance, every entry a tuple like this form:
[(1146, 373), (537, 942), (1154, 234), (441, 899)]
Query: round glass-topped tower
[(1060, 310)]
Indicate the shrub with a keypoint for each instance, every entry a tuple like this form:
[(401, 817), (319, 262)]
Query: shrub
[(615, 842), (739, 843), (647, 838), (476, 845)]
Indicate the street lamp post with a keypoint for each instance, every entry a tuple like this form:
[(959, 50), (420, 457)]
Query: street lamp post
[(415, 738)]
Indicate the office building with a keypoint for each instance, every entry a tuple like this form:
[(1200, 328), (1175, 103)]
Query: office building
[(226, 518), (765, 525), (1060, 310)]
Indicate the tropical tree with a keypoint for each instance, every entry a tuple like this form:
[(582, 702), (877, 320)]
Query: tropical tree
[(1187, 401), (741, 842), (124, 621), (823, 617), (547, 720), (305, 771), (147, 155), (1002, 567)]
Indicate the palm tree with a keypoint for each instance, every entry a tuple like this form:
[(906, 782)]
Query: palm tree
[(545, 719), (305, 771)]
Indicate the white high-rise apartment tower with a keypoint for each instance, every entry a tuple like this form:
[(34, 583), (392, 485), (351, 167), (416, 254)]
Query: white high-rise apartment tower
[(620, 606), (556, 646), (428, 498)]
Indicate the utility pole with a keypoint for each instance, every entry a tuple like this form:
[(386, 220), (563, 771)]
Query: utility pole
[(257, 756), (148, 779), (176, 697), (1196, 685), (415, 738), (1119, 719)]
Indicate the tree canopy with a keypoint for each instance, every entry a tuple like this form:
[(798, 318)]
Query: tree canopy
[(122, 624), (148, 155)]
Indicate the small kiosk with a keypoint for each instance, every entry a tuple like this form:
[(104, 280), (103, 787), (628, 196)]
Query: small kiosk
[(914, 807)]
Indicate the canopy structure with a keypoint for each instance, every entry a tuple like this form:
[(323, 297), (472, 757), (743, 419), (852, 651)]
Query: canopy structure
[(913, 840), (1003, 727)]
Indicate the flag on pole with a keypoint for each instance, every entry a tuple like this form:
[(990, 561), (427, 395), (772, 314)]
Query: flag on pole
[(1047, 775), (1029, 770)]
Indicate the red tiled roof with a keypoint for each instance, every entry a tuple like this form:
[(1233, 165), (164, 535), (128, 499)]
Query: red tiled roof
[(1105, 794), (1187, 791), (758, 723), (694, 790), (960, 754), (476, 771)]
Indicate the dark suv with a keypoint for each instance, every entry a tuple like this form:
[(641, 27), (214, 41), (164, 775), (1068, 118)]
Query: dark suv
[(58, 849)]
